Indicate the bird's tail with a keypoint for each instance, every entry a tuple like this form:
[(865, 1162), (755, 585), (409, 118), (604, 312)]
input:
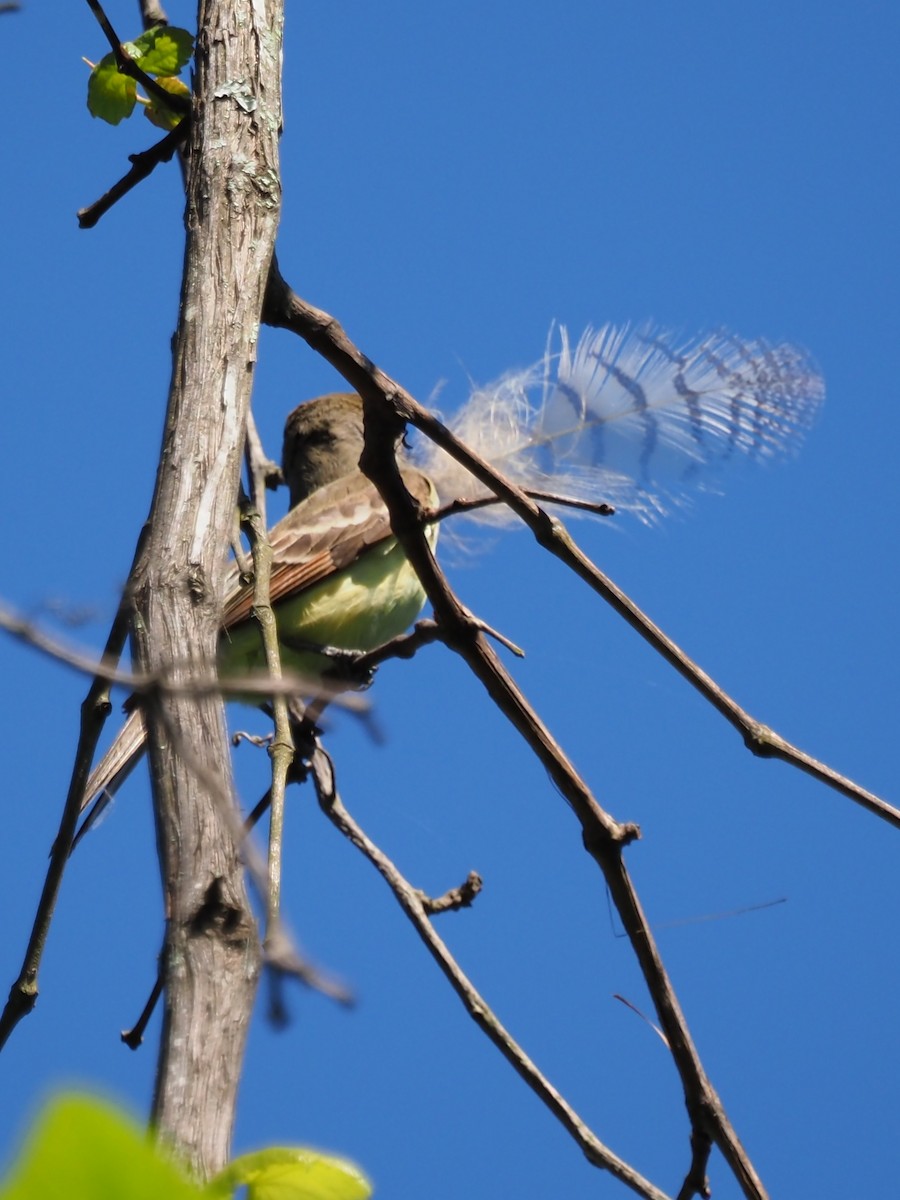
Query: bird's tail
[(112, 771)]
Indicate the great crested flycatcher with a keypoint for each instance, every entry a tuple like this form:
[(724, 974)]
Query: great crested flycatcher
[(339, 577)]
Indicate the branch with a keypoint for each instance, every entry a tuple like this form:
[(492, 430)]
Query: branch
[(143, 164), (169, 680), (411, 901), (604, 838), (281, 749), (262, 472), (386, 406), (94, 710), (454, 898), (461, 506)]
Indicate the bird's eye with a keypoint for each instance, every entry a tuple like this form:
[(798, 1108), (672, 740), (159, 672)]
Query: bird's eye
[(319, 437)]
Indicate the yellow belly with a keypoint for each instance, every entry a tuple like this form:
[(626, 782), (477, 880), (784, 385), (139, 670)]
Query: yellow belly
[(359, 608)]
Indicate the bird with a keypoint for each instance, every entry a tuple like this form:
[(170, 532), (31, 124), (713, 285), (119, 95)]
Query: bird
[(340, 582)]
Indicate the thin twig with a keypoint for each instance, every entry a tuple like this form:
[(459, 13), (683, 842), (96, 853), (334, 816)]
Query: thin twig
[(148, 683), (424, 633), (696, 1181), (94, 710), (281, 748), (262, 472), (460, 506), (410, 900), (134, 1036), (143, 164), (454, 898)]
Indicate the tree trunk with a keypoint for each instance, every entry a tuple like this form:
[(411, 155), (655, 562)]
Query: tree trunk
[(212, 954)]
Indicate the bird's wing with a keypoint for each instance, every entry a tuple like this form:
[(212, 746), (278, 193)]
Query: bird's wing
[(112, 770), (324, 534)]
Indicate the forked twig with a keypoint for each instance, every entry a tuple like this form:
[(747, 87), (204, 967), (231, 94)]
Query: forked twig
[(411, 901)]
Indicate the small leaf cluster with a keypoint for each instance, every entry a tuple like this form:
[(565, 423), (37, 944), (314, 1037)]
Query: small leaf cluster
[(160, 52), (80, 1149)]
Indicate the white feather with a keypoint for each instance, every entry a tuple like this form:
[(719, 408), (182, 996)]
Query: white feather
[(632, 417)]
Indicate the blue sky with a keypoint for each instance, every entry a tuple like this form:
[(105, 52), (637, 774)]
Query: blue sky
[(457, 176)]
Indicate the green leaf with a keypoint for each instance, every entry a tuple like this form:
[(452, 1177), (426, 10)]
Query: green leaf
[(111, 96), (292, 1173), (158, 113), (81, 1149), (162, 50)]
